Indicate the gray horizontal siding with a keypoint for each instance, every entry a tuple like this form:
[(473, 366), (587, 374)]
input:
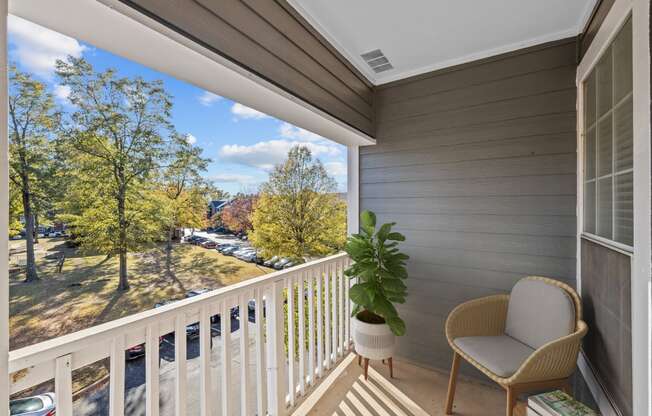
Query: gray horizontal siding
[(270, 39), (477, 166)]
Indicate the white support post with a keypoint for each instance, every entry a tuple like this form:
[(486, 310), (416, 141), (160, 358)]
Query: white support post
[(641, 261), (4, 219), (63, 385), (353, 189), (275, 351)]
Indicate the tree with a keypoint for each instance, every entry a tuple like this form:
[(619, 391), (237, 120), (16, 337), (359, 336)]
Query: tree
[(237, 216), (184, 190), (298, 214), (32, 120), (119, 126)]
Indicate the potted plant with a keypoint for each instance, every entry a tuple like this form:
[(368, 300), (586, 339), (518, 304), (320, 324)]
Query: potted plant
[(379, 271)]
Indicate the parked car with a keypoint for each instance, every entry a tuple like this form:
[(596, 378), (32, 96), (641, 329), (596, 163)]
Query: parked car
[(41, 405), (17, 237), (209, 244), (191, 239), (55, 234), (250, 257), (138, 351), (196, 292), (229, 251), (243, 252), (270, 262), (281, 263), (222, 246), (289, 264)]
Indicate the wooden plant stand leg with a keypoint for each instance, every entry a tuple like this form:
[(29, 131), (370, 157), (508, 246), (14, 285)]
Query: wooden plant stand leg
[(391, 368), (366, 367), (452, 383)]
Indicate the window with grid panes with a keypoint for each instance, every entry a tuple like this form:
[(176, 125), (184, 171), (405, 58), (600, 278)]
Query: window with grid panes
[(608, 143)]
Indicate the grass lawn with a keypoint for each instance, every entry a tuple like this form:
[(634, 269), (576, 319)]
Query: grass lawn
[(84, 294)]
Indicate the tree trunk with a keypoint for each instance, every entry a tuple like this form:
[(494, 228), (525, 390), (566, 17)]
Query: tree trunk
[(168, 250), (35, 229), (122, 243), (30, 267)]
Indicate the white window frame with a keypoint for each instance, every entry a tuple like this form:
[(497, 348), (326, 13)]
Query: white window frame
[(641, 252)]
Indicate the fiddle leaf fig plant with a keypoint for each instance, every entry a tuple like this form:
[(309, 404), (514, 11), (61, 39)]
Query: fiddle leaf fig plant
[(379, 268)]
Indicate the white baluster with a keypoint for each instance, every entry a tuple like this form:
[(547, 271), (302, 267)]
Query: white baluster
[(302, 335), (327, 315), (206, 396), (320, 322), (333, 301), (244, 353), (340, 297), (290, 317), (181, 366), (151, 370), (275, 350), (347, 303), (225, 320), (261, 368), (63, 385), (311, 326), (117, 377)]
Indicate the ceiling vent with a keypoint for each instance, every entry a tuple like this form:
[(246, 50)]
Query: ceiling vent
[(377, 61)]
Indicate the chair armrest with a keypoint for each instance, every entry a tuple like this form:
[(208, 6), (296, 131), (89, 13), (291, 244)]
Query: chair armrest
[(479, 317), (554, 360)]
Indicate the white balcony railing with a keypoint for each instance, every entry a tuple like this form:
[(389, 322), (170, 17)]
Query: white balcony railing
[(281, 374)]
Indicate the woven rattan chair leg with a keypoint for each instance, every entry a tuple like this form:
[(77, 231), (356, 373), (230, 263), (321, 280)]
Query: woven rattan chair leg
[(452, 381)]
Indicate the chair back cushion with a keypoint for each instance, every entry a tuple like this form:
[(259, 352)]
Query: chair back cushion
[(539, 312)]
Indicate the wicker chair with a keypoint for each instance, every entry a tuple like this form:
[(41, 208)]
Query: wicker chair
[(537, 362)]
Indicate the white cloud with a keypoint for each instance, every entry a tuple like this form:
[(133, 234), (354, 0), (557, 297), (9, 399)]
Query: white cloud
[(289, 131), (208, 98), (37, 49), (335, 168), (191, 139), (62, 92), (233, 178), (242, 111), (266, 154)]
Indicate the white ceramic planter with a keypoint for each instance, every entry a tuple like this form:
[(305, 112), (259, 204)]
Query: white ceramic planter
[(373, 341)]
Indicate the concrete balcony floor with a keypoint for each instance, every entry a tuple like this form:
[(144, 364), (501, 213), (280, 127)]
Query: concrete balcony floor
[(414, 391)]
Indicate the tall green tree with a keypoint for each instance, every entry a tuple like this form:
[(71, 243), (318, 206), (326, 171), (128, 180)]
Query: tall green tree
[(184, 190), (33, 118), (298, 213), (119, 124)]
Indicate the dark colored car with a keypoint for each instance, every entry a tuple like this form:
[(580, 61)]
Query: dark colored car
[(210, 244), (41, 405)]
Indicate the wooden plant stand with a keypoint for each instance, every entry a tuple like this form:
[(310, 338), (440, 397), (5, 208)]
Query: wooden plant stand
[(366, 365)]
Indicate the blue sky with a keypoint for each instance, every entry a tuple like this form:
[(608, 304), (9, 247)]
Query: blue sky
[(243, 143)]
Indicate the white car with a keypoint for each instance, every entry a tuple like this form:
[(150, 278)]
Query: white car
[(244, 252)]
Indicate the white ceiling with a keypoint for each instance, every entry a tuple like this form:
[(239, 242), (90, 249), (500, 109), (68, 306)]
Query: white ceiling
[(418, 36)]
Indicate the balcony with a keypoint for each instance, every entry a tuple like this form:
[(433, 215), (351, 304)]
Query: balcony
[(277, 374)]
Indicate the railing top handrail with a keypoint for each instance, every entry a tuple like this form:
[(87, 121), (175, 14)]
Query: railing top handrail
[(68, 343)]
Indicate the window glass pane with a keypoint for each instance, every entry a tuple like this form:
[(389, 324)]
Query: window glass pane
[(624, 208), (589, 100), (604, 146), (622, 50), (589, 154), (623, 135), (604, 83), (589, 207), (604, 222)]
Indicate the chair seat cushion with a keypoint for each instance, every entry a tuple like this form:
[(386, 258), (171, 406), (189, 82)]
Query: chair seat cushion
[(502, 355), (539, 312)]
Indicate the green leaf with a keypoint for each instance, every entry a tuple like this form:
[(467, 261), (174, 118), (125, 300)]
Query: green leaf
[(359, 295), (368, 219), (384, 230), (396, 236), (397, 326)]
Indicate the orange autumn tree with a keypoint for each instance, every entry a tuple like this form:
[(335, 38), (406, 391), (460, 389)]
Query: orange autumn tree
[(236, 216)]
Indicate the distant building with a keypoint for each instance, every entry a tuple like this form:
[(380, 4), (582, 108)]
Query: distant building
[(215, 207)]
